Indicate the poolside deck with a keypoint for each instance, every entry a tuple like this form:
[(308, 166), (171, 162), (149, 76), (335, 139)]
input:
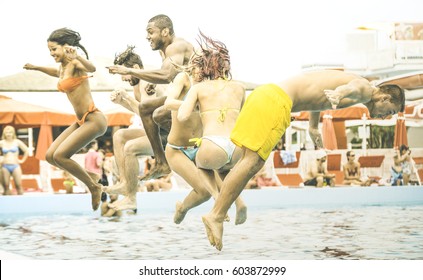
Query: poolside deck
[(266, 198)]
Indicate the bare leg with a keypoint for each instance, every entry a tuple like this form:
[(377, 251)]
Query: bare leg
[(6, 181), (163, 118), (71, 141), (129, 183), (183, 166), (241, 208), (233, 185), (147, 108), (130, 167), (17, 177), (119, 140)]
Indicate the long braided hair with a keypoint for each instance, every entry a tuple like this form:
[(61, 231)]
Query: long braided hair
[(64, 36)]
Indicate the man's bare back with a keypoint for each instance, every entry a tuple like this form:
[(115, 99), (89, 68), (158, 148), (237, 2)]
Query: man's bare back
[(307, 90)]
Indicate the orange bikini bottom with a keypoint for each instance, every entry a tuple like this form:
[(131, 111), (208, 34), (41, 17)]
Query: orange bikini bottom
[(91, 109)]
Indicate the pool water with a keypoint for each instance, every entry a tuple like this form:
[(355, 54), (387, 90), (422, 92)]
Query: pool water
[(369, 232)]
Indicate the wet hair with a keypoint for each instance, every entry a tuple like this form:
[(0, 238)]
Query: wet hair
[(214, 60), (163, 21), (64, 36), (128, 58), (7, 127), (397, 94)]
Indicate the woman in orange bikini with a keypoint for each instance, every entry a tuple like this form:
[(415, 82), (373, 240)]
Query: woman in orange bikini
[(91, 123)]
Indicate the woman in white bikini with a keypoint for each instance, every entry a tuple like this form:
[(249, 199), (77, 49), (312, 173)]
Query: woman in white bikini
[(219, 100)]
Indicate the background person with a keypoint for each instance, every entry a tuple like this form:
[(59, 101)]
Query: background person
[(317, 172), (11, 164), (352, 170), (106, 211), (93, 160), (68, 182), (407, 165)]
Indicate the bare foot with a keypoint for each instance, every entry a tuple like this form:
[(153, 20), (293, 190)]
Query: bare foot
[(119, 188), (95, 191), (179, 213), (156, 172), (214, 231), (127, 203), (241, 215)]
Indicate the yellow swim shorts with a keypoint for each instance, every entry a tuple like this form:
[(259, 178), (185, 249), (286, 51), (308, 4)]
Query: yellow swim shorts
[(263, 120)]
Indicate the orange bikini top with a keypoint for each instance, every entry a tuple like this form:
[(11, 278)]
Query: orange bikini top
[(70, 84)]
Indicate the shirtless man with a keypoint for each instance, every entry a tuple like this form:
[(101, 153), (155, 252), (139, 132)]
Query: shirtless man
[(266, 115), (317, 172), (352, 171), (129, 143), (174, 50)]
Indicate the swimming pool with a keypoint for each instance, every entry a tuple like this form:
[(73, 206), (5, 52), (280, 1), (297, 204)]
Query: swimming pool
[(294, 224)]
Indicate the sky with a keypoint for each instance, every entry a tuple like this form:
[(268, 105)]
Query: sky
[(267, 40)]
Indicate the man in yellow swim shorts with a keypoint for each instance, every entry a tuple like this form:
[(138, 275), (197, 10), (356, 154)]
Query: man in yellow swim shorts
[(266, 115)]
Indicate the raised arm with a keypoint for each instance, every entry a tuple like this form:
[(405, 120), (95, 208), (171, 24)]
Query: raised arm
[(174, 91), (313, 129), (52, 71), (188, 105), (121, 97), (356, 91), (175, 53), (80, 63)]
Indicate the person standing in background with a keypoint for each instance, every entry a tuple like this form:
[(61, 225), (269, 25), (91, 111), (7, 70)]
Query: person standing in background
[(93, 159), (11, 164)]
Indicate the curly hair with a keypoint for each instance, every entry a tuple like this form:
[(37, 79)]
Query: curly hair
[(214, 60), (128, 58), (64, 36), (397, 94)]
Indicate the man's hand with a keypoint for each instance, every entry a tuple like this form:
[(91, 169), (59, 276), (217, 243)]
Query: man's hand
[(316, 137), (150, 89), (118, 69), (118, 95), (333, 97)]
